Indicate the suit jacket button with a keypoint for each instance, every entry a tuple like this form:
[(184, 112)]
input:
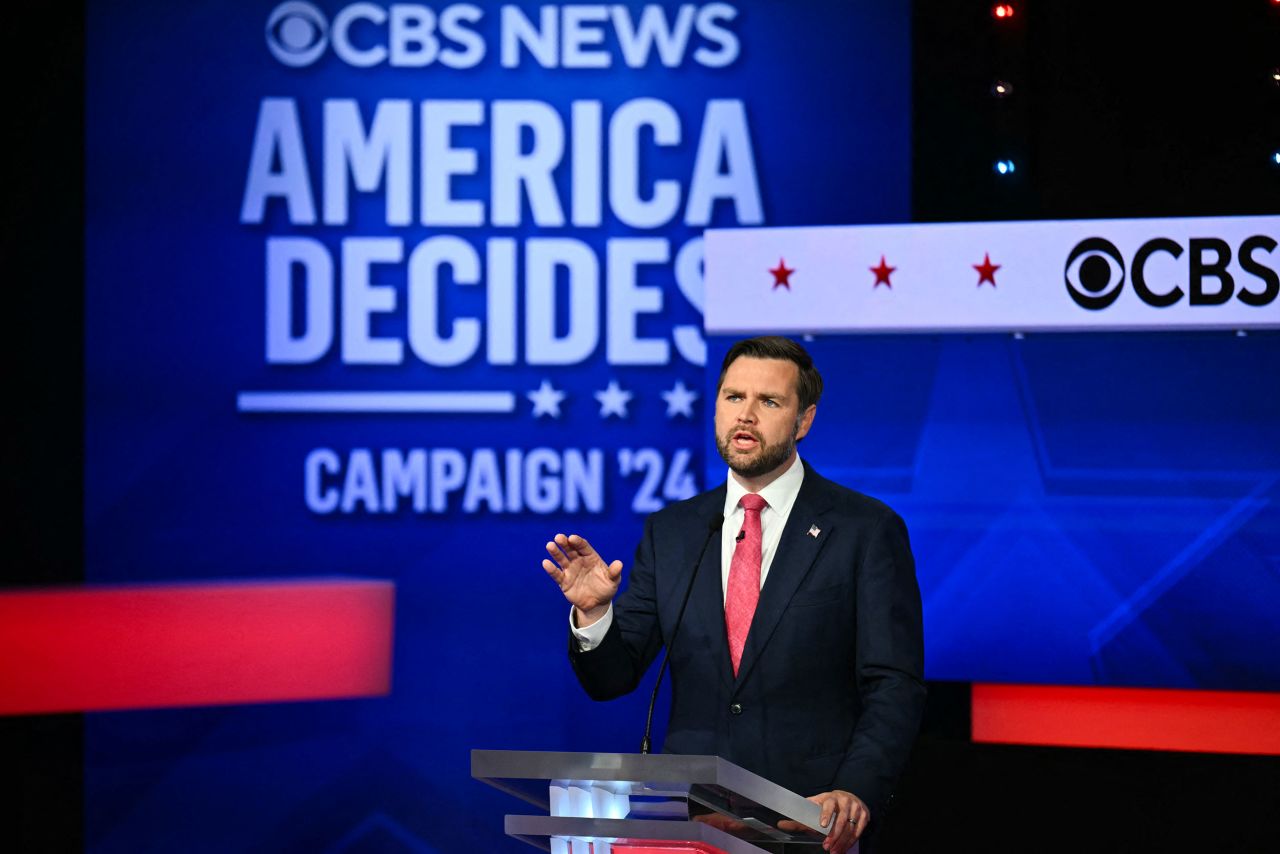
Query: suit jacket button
[(735, 709)]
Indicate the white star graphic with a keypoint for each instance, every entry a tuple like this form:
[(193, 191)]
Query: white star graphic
[(546, 400), (680, 400), (613, 400)]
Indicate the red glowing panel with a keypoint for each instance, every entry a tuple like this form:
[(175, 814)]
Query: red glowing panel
[(194, 644), (623, 846), (1128, 718), (1002, 11)]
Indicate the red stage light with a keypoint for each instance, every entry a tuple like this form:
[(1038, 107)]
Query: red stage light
[(194, 644), (1004, 11), (1127, 718)]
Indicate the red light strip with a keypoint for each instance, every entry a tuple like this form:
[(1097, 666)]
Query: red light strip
[(98, 649), (1127, 718), (659, 846)]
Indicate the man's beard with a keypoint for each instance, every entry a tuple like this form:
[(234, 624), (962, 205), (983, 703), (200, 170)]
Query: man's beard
[(769, 458)]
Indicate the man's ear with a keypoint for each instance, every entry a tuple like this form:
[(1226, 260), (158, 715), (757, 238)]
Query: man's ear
[(805, 421)]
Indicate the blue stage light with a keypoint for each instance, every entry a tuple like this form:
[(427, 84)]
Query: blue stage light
[(1005, 167)]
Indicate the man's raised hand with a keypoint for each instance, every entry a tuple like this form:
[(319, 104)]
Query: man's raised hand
[(584, 578)]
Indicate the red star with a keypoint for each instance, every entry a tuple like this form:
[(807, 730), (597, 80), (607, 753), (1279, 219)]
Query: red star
[(882, 274), (986, 270), (781, 275)]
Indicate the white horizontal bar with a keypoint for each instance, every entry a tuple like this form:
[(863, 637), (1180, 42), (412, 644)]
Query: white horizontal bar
[(995, 276), (376, 401)]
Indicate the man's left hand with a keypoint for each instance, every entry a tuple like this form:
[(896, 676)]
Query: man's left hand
[(846, 815), (848, 812)]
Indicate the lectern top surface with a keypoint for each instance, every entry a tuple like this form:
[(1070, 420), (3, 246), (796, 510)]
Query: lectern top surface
[(671, 785)]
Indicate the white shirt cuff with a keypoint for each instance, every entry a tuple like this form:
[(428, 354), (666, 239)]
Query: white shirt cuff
[(590, 637)]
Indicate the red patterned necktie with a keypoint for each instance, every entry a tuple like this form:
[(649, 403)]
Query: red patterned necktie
[(744, 578)]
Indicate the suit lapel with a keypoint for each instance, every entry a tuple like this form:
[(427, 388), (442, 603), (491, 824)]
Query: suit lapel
[(796, 552), (706, 605)]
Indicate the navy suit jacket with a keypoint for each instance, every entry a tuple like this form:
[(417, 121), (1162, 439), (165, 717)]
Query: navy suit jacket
[(830, 689)]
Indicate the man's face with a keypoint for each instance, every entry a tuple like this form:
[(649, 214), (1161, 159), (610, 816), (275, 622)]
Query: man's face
[(758, 417)]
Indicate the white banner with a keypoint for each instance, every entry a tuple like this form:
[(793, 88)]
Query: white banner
[(1081, 275)]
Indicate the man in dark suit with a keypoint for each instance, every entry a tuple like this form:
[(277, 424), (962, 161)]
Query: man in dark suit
[(801, 653)]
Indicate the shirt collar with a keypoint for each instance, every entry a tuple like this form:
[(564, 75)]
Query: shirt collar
[(780, 494)]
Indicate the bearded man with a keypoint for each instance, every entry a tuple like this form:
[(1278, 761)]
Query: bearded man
[(801, 653)]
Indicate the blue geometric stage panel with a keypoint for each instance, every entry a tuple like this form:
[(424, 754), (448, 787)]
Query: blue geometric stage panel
[(1084, 509)]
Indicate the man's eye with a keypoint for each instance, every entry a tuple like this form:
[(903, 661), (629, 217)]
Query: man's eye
[(772, 403)]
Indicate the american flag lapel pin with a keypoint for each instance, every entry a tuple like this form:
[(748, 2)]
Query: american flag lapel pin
[(814, 531)]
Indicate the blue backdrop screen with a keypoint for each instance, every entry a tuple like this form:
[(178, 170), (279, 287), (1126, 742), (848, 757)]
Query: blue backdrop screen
[(399, 291)]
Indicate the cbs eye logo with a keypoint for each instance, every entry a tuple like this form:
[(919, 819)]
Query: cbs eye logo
[(1215, 273), (297, 33), (1094, 273)]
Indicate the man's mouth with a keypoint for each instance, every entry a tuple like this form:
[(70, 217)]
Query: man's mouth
[(744, 441)]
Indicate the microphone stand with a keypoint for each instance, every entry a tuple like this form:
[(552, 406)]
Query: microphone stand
[(717, 522)]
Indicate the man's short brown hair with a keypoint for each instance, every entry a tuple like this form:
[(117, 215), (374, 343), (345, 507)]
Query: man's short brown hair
[(809, 383)]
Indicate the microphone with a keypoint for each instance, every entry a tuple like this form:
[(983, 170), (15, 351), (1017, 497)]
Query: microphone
[(742, 535), (713, 528)]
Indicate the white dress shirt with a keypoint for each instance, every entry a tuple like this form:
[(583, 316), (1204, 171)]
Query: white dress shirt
[(779, 496)]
